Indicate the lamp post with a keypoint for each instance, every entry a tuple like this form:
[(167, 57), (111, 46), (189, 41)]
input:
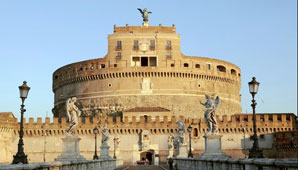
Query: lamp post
[(95, 131), (189, 129), (20, 157), (255, 151), (115, 140)]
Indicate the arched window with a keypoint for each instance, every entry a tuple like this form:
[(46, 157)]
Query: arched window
[(195, 132), (233, 72), (198, 66), (221, 68), (185, 64)]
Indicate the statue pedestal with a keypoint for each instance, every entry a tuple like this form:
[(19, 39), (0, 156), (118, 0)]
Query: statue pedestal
[(105, 152), (146, 23), (213, 147), (183, 151), (70, 149)]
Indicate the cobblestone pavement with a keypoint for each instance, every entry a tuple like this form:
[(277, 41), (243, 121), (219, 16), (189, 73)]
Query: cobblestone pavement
[(144, 168)]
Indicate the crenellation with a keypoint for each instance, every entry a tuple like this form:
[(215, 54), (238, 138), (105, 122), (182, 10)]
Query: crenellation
[(39, 121), (48, 121)]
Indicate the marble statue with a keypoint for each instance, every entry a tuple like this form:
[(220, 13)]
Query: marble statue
[(72, 113), (144, 14), (210, 106), (171, 141), (105, 134)]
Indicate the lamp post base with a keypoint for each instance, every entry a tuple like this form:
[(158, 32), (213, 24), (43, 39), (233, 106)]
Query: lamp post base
[(20, 158), (255, 153)]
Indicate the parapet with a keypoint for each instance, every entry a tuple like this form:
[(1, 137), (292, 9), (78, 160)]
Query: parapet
[(145, 29), (266, 123)]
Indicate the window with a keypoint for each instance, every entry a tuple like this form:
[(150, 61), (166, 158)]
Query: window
[(146, 118), (233, 72), (136, 44), (152, 44), (169, 44), (169, 55), (135, 61), (197, 65), (144, 61), (208, 66), (153, 62), (115, 65), (185, 64), (103, 65), (119, 55), (92, 67), (172, 65), (221, 68), (119, 45)]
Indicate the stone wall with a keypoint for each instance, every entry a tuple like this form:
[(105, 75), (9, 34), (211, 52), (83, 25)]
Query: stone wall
[(235, 164), (42, 138), (76, 165)]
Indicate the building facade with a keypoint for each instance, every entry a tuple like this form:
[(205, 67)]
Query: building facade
[(144, 67)]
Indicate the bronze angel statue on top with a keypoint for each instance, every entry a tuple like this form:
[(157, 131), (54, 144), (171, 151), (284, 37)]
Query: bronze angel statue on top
[(210, 105), (144, 13)]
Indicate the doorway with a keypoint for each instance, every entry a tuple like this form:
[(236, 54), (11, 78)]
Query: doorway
[(148, 155)]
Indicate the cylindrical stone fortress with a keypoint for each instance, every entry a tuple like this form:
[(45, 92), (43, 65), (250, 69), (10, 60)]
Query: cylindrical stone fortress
[(144, 67)]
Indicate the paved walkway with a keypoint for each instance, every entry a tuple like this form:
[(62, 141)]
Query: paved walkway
[(144, 167)]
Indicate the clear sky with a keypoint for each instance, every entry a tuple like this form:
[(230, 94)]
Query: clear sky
[(38, 37)]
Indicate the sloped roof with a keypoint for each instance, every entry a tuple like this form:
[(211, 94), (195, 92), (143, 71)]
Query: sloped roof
[(147, 109), (6, 115)]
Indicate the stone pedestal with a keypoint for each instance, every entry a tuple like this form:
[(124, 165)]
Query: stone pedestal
[(213, 147), (146, 23), (70, 149), (183, 151), (105, 152)]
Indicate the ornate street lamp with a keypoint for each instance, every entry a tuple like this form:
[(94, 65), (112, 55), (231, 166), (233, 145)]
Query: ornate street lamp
[(255, 151), (95, 131), (189, 129), (20, 157)]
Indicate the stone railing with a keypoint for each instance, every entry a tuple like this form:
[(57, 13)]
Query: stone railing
[(74, 165), (235, 164)]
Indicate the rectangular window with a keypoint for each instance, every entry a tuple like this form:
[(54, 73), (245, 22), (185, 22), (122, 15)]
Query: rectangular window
[(119, 55), (153, 62), (144, 61), (119, 45), (152, 44), (136, 44), (135, 61), (169, 55), (208, 66), (169, 44)]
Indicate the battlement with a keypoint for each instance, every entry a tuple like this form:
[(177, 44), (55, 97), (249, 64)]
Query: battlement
[(145, 29), (266, 123)]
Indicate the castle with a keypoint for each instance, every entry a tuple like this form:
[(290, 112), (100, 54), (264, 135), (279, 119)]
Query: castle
[(149, 84)]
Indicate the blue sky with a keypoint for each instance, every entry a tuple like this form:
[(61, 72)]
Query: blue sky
[(38, 37)]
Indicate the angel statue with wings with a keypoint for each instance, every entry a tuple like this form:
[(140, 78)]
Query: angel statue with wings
[(210, 118), (144, 13), (72, 114)]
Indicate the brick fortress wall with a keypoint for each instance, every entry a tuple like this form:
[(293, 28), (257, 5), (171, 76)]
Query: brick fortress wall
[(42, 139)]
